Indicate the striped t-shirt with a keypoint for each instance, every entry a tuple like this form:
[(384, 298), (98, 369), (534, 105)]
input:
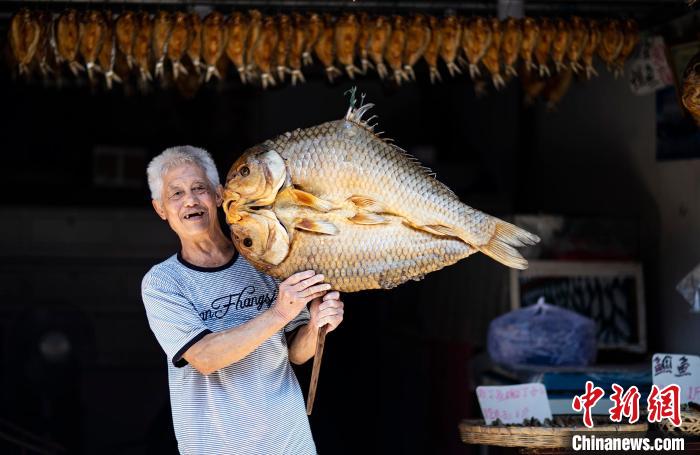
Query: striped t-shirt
[(253, 406)]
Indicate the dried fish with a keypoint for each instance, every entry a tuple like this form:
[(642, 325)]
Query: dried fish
[(451, 32), (213, 43), (589, 50), (126, 34), (363, 41), (264, 49), (162, 27), (68, 39), (579, 39), (347, 30), (253, 36), (433, 50), (544, 43), (238, 27), (611, 42), (491, 59), (510, 46), (531, 33), (178, 43), (285, 40), (296, 48), (324, 48), (25, 33), (630, 32), (476, 39), (44, 49), (417, 40), (560, 43), (108, 53), (394, 49), (194, 42), (378, 38), (142, 46), (315, 27), (92, 31)]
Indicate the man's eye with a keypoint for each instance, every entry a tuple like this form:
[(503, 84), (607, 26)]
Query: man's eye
[(176, 194), (200, 189)]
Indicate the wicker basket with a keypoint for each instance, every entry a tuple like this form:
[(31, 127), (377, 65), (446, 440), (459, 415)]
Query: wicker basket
[(690, 424), (476, 432)]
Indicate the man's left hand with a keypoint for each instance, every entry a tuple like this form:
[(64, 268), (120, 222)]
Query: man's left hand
[(326, 310)]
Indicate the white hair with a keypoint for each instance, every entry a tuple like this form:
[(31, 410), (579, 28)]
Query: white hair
[(175, 156)]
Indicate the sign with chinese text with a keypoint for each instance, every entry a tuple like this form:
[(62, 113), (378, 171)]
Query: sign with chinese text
[(681, 369), (513, 403)]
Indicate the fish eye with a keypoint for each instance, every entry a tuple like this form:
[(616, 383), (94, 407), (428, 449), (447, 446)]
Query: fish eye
[(247, 242), (244, 171)]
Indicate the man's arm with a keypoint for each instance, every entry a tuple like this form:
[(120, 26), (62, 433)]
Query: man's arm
[(221, 349), (328, 310)]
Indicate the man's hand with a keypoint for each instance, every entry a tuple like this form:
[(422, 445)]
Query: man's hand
[(298, 290), (328, 310)]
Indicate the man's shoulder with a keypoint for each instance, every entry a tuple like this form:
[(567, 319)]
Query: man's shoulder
[(161, 273)]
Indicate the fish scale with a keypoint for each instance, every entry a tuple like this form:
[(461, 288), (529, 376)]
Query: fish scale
[(353, 206)]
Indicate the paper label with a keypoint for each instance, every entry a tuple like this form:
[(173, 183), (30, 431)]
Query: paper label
[(513, 403), (680, 369)]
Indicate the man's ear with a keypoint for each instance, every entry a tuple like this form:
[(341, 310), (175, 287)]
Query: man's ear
[(158, 207), (219, 195)]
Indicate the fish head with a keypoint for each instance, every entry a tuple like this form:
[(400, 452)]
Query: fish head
[(260, 237), (254, 179)]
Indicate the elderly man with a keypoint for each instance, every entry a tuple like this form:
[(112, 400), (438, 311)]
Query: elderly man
[(228, 331)]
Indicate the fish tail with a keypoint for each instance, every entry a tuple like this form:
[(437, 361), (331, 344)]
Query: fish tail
[(501, 246)]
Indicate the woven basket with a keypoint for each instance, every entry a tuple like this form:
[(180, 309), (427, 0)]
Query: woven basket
[(476, 432), (690, 424)]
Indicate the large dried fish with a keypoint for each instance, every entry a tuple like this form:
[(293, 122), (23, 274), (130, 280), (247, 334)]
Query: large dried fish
[(579, 39), (394, 49), (314, 29), (194, 42), (589, 50), (378, 38), (340, 200), (560, 43), (108, 53), (286, 31), (44, 49), (142, 46), (213, 43), (476, 39), (296, 49), (92, 31), (162, 27), (253, 36), (68, 40), (510, 46), (417, 40), (238, 27), (264, 49), (25, 33), (451, 32), (347, 30), (544, 43), (433, 50), (492, 56), (324, 48), (531, 33), (611, 42), (630, 32), (178, 43), (363, 41), (125, 30)]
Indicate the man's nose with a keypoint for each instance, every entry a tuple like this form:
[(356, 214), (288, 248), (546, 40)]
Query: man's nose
[(191, 199)]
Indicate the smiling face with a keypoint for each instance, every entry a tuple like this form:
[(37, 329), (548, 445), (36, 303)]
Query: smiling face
[(188, 202)]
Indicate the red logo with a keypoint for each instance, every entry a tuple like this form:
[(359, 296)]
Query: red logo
[(626, 404), (586, 401), (665, 404)]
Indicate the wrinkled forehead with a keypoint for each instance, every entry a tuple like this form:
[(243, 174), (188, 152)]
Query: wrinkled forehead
[(184, 174)]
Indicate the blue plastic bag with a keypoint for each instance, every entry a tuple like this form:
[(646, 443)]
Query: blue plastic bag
[(542, 334)]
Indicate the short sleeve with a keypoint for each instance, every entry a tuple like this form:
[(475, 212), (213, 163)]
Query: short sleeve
[(172, 317), (301, 319)]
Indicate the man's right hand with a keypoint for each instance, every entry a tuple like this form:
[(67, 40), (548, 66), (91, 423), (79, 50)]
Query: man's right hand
[(298, 290)]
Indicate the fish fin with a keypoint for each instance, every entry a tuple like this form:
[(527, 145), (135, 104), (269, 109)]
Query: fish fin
[(318, 226), (367, 204), (435, 229), (303, 198), (501, 246), (368, 218)]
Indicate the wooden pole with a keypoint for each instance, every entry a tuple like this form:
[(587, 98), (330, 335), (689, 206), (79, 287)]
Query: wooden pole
[(316, 368)]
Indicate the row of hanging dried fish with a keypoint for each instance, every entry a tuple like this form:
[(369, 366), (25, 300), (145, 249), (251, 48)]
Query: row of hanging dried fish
[(265, 49)]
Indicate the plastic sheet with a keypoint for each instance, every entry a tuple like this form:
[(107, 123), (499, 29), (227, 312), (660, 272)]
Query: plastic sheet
[(542, 334)]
